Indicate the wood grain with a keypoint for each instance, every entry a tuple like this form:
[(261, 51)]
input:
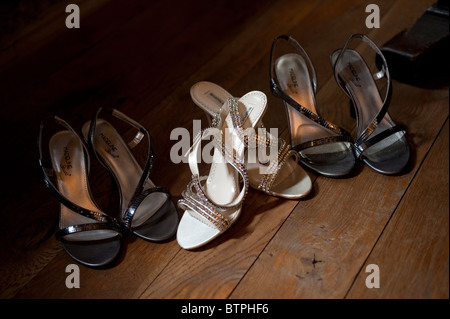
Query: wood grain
[(319, 249), (142, 57), (90, 99)]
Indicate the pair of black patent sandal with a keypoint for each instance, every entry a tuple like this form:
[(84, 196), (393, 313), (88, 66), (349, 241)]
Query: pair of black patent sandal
[(323, 146), (90, 236)]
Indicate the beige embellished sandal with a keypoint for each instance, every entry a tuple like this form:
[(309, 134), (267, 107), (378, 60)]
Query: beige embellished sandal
[(277, 174)]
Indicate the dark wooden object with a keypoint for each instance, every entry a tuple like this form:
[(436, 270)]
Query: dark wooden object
[(420, 55)]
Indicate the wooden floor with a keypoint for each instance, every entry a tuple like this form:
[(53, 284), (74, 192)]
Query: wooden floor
[(142, 57)]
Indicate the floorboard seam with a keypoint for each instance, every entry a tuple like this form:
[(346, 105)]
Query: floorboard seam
[(395, 209)]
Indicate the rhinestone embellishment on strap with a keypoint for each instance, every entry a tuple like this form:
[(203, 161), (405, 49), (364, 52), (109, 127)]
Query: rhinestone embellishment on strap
[(284, 153), (255, 140)]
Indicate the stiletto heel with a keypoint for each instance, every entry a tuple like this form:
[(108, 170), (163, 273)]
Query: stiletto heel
[(88, 235), (284, 178), (380, 143), (146, 210), (323, 146)]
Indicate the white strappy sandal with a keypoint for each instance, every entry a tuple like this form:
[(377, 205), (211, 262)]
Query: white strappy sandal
[(213, 203)]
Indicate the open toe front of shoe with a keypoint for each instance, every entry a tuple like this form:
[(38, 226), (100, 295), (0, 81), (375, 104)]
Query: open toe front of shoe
[(95, 253), (193, 233), (388, 157), (292, 181), (156, 218)]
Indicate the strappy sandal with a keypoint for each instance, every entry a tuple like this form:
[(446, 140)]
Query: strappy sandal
[(323, 146), (380, 144), (213, 203), (280, 176), (87, 234), (146, 210)]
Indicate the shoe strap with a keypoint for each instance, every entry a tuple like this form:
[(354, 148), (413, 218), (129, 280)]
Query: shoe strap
[(137, 198), (100, 217), (277, 91), (137, 201), (284, 152), (384, 72), (227, 152), (251, 140)]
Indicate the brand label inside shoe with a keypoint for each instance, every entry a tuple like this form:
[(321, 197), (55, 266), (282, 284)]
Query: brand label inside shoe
[(215, 98), (355, 74), (110, 148), (66, 165)]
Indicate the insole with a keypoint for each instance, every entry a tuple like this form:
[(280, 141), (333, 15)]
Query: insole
[(211, 97)]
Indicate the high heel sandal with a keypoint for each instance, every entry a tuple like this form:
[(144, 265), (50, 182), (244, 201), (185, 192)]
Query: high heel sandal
[(87, 234), (323, 146), (284, 178), (146, 210), (213, 203), (380, 143)]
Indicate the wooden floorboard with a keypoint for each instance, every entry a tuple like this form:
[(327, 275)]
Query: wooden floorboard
[(413, 248), (142, 57), (320, 248)]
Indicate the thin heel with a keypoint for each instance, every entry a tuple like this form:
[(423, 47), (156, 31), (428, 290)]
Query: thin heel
[(352, 109)]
